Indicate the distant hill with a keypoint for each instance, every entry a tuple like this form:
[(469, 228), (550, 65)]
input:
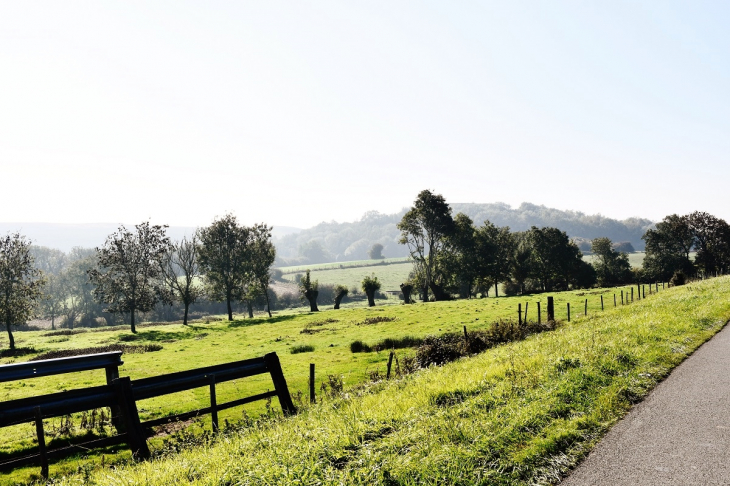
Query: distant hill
[(66, 236), (351, 241)]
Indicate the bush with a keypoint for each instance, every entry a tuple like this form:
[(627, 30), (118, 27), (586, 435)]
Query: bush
[(359, 347), (302, 348)]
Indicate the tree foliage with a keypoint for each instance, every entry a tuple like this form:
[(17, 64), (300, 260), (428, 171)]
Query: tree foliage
[(128, 271), (224, 259), (310, 290), (612, 267), (424, 229), (21, 283), (179, 268)]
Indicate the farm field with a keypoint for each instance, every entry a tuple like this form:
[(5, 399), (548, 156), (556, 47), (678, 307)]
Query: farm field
[(336, 265), (390, 276), (330, 333)]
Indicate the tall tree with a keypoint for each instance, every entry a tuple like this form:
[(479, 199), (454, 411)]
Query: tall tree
[(558, 261), (310, 290), (127, 276), (20, 283), (424, 229), (179, 268), (711, 241), (612, 267), (224, 260), (263, 254), (668, 248), (51, 262), (370, 285)]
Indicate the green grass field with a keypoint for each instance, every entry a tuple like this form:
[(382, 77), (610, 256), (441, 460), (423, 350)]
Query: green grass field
[(330, 334)]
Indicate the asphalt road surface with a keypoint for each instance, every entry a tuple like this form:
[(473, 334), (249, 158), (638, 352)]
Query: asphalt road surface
[(679, 435)]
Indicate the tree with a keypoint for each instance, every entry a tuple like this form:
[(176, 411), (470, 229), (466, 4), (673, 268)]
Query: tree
[(376, 252), (494, 246), (310, 290), (612, 267), (424, 229), (711, 241), (179, 268), (460, 257), (263, 254), (51, 262), (20, 283), (370, 285), (668, 248), (128, 272), (224, 255), (557, 261), (340, 292)]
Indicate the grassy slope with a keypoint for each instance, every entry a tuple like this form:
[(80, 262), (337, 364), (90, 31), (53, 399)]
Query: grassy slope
[(518, 414)]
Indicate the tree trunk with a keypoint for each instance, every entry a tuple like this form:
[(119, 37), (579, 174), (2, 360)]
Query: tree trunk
[(131, 321), (438, 293), (496, 290), (250, 309), (371, 298), (230, 309), (338, 299), (311, 296), (10, 335), (424, 293), (185, 317), (268, 305), (53, 322), (406, 289)]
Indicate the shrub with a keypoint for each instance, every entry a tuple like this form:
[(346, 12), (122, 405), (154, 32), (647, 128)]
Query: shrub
[(359, 347), (302, 348), (678, 279)]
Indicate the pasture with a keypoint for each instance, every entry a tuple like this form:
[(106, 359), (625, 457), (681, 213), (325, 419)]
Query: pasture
[(328, 334)]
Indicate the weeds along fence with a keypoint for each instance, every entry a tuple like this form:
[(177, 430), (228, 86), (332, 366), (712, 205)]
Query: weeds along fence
[(120, 395)]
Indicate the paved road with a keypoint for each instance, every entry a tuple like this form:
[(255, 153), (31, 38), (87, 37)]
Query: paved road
[(679, 435)]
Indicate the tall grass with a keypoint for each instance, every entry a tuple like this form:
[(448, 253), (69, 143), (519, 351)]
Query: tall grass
[(521, 413)]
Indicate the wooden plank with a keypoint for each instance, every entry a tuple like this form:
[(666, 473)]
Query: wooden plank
[(187, 380), (135, 434), (55, 404), (282, 390), (41, 443), (57, 366)]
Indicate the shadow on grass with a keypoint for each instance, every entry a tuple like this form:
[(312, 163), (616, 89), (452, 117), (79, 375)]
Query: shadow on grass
[(261, 320), (158, 336)]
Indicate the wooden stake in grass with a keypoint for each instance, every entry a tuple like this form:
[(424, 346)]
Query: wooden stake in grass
[(390, 363), (601, 302), (213, 404), (312, 397), (644, 292), (585, 308), (551, 309), (614, 300), (568, 311), (539, 315), (525, 316), (41, 442), (622, 297), (519, 314), (632, 294)]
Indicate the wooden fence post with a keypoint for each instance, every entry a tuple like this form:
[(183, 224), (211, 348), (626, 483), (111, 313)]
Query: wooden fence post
[(568, 311), (466, 336), (390, 364), (524, 316), (213, 405), (112, 373), (644, 292), (614, 300), (622, 297), (550, 309), (585, 308), (277, 376), (519, 314), (135, 435), (632, 294), (539, 314), (41, 442), (601, 302), (312, 398)]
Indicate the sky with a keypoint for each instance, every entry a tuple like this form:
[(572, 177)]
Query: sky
[(293, 113)]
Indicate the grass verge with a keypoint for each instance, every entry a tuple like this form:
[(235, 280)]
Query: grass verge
[(521, 413)]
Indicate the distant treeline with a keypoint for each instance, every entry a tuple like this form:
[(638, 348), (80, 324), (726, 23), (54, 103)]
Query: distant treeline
[(329, 242)]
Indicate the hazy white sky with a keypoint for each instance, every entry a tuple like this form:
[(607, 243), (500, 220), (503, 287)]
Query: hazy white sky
[(293, 113)]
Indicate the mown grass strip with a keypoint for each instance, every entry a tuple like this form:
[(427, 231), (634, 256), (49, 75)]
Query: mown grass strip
[(522, 413)]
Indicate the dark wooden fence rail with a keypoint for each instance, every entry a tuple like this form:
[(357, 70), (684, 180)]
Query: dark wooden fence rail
[(122, 394)]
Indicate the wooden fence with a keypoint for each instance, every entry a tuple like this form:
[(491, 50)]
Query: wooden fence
[(121, 395)]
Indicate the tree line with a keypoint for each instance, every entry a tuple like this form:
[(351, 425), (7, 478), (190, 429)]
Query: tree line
[(454, 257)]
